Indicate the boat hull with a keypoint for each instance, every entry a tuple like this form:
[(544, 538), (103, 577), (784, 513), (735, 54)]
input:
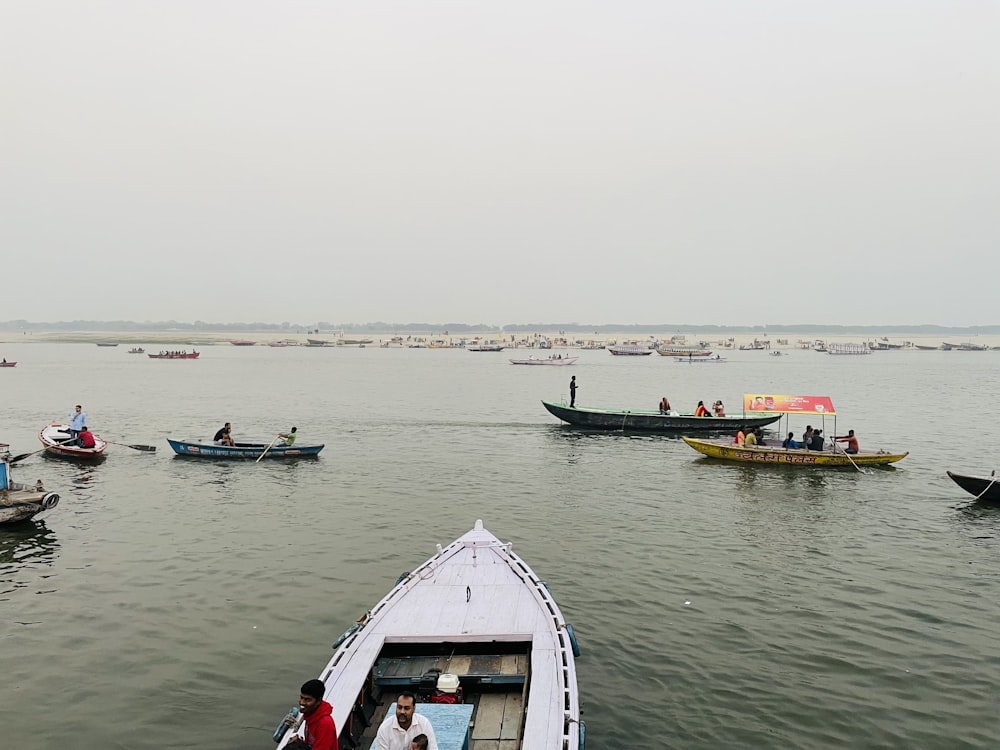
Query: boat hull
[(24, 502), (552, 362), (8, 364), (192, 449), (793, 457), (651, 421), (53, 435), (474, 611), (182, 355), (986, 489)]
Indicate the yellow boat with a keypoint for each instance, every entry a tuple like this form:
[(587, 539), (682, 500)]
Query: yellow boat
[(819, 407), (764, 454)]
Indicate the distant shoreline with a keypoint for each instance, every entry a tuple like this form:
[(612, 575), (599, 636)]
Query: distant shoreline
[(565, 340)]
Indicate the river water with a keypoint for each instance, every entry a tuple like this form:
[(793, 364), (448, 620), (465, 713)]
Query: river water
[(170, 603)]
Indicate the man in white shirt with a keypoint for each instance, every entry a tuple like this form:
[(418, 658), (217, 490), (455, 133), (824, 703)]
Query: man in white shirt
[(399, 729)]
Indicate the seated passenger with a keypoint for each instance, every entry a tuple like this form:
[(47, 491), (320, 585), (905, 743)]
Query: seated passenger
[(817, 441), (740, 438), (790, 441), (701, 411), (720, 410), (664, 406), (86, 438), (751, 438), (224, 435)]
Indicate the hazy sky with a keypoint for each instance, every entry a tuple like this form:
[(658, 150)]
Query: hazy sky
[(501, 162)]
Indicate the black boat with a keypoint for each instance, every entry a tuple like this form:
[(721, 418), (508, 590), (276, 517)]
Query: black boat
[(986, 489), (653, 421)]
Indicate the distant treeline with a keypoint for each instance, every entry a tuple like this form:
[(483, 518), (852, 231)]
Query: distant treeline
[(460, 328)]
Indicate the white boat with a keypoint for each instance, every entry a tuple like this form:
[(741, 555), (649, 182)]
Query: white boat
[(19, 502), (554, 360), (474, 611)]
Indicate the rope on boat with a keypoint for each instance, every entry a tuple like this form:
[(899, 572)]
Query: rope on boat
[(992, 482)]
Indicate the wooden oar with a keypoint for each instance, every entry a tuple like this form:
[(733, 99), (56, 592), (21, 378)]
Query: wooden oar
[(267, 448), (23, 456), (844, 451), (136, 447)]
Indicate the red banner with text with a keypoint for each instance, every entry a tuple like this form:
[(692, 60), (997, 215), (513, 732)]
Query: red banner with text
[(788, 404)]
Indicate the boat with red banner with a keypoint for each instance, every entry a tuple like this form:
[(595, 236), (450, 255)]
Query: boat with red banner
[(823, 452), (184, 354)]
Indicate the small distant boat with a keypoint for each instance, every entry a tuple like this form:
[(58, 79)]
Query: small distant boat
[(485, 348), (986, 489), (848, 349), (20, 502), (318, 342), (683, 351), (5, 363), (698, 360), (55, 436), (107, 343), (355, 342), (479, 636), (630, 350), (242, 342), (175, 355), (197, 449), (776, 353), (555, 361), (137, 350)]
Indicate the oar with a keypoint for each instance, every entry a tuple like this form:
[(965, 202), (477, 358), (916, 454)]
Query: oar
[(137, 446), (844, 451), (267, 448), (23, 456)]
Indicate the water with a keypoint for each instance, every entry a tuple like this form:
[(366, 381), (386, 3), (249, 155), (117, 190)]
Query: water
[(179, 604)]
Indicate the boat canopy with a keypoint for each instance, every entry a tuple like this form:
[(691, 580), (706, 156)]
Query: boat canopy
[(788, 404)]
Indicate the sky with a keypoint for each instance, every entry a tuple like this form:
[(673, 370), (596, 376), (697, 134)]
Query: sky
[(643, 162)]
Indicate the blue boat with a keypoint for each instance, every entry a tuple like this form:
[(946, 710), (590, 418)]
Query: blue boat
[(191, 449)]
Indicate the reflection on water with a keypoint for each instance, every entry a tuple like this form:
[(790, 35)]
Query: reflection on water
[(26, 549)]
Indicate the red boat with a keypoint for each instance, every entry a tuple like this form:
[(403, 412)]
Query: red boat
[(5, 363), (242, 342), (175, 355), (54, 437)]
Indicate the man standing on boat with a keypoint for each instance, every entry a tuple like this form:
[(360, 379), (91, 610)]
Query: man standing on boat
[(399, 729), (77, 421), (572, 391)]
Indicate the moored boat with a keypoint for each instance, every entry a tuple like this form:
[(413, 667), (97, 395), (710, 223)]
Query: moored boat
[(183, 354), (695, 360), (242, 342), (137, 350), (255, 451), (55, 436), (485, 348), (630, 350), (478, 636), (107, 343), (646, 420), (20, 502), (557, 360), (683, 351), (5, 363), (986, 489)]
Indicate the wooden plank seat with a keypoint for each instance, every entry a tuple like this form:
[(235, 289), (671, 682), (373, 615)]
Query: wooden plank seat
[(476, 670)]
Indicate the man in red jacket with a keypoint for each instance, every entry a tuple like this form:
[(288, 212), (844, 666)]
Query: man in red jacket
[(321, 732)]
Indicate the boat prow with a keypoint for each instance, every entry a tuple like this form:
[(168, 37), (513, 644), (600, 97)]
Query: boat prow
[(479, 637), (986, 489)]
